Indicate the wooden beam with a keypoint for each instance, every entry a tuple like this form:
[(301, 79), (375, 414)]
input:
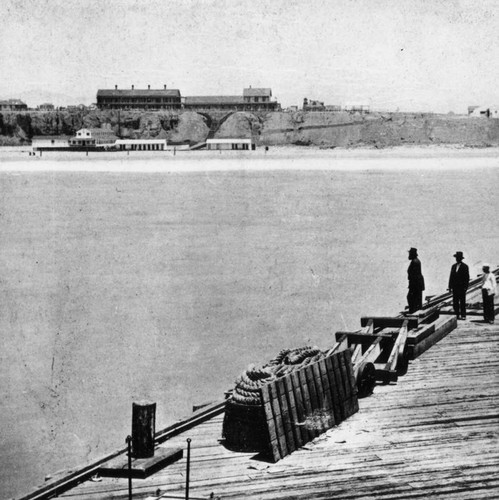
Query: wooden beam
[(361, 338), (384, 375), (370, 356), (391, 364), (369, 328), (425, 315), (442, 328), (341, 345), (357, 352), (389, 321)]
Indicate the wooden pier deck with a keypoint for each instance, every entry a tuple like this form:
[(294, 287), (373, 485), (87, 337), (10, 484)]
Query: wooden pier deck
[(434, 434)]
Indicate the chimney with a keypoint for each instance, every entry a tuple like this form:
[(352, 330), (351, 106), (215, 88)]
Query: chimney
[(165, 86), (132, 87), (148, 87), (116, 87)]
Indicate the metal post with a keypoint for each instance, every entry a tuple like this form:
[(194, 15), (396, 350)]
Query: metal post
[(188, 468), (129, 443)]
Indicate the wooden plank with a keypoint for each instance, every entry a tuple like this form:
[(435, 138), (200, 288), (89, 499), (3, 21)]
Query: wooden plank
[(361, 338), (384, 375), (419, 334), (279, 424), (370, 356), (344, 359), (391, 364), (274, 449), (298, 431), (442, 329), (309, 376), (141, 467), (321, 396), (338, 381), (341, 345), (369, 328), (285, 413), (307, 403), (335, 395), (301, 411), (389, 321), (321, 393), (347, 357), (357, 352), (328, 399), (354, 403), (425, 315), (403, 342)]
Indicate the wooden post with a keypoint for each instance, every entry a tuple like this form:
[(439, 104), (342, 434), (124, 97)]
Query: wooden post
[(143, 429)]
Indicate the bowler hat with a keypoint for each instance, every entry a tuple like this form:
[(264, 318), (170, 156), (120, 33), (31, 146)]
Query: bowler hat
[(413, 250), (459, 254)]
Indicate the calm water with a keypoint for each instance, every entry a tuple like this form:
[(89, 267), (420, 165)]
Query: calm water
[(124, 286)]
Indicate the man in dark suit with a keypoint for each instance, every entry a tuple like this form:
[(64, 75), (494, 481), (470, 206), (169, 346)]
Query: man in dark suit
[(458, 284), (416, 282)]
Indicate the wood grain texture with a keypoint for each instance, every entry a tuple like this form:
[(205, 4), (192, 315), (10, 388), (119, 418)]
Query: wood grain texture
[(435, 434)]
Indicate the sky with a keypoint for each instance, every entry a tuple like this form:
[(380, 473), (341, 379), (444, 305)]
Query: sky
[(407, 55)]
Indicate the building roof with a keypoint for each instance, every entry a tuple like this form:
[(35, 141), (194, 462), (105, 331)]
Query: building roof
[(11, 102), (138, 93), (140, 141), (213, 100), (50, 138), (99, 131), (229, 141), (257, 92)]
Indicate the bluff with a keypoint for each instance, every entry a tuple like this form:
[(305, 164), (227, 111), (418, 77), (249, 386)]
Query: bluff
[(322, 129)]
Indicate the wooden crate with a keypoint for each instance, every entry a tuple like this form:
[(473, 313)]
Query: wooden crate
[(301, 405)]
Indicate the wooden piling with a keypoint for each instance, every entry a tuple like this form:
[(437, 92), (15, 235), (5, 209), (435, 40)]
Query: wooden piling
[(143, 429)]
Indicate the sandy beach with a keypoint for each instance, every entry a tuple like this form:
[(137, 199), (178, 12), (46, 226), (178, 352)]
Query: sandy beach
[(283, 158), (162, 277)]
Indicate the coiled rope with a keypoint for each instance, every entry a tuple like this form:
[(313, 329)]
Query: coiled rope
[(248, 384)]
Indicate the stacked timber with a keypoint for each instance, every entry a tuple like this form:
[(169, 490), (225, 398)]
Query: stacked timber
[(289, 401)]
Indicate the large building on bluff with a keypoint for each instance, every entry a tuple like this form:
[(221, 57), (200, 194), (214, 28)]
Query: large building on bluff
[(13, 105), (252, 99), (151, 99)]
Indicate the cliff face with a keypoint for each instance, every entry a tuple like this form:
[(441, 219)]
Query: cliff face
[(302, 128)]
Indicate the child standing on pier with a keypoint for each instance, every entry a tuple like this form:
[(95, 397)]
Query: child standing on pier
[(489, 288)]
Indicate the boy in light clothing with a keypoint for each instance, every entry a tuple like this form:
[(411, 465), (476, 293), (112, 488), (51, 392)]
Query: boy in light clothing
[(489, 288)]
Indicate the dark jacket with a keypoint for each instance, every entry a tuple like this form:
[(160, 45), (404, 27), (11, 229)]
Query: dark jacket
[(459, 280), (414, 275)]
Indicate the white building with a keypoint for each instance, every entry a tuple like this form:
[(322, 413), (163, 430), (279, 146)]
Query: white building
[(49, 141), (93, 137), (233, 144), (484, 111), (141, 144)]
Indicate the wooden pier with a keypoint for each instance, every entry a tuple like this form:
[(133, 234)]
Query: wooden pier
[(432, 432), (435, 434)]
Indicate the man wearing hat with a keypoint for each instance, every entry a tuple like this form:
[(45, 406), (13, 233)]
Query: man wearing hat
[(416, 282), (459, 280), (489, 289)]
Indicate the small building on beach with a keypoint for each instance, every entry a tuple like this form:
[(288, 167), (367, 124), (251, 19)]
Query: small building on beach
[(93, 137), (49, 141), (232, 144), (141, 144)]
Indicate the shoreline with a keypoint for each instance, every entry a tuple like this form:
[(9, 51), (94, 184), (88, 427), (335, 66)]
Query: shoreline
[(16, 159)]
